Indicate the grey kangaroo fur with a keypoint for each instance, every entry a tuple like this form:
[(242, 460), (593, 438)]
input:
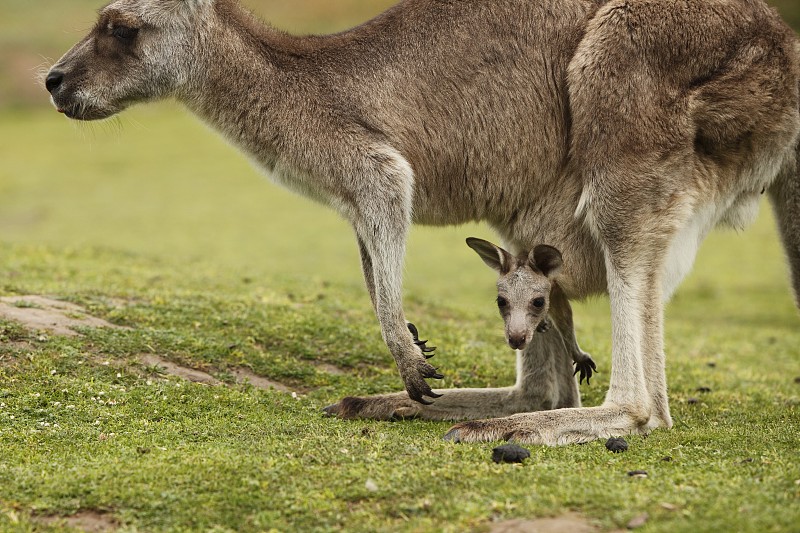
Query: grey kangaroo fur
[(620, 132)]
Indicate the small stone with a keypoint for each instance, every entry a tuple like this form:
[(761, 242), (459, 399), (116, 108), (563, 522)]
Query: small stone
[(797, 379), (703, 389), (638, 521), (692, 401), (669, 506), (510, 453), (637, 473), (711, 364), (371, 486), (616, 445)]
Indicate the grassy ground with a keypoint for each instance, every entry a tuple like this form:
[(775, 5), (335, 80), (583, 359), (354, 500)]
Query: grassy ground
[(153, 223), (212, 267)]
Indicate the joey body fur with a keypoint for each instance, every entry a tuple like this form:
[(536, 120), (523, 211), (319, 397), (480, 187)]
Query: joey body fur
[(619, 132)]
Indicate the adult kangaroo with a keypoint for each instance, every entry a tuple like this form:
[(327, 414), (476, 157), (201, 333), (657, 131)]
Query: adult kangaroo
[(620, 132)]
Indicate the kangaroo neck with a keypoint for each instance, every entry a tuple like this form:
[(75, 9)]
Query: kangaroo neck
[(246, 86)]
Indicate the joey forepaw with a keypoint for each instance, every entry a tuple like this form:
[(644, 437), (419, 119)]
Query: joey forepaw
[(586, 367)]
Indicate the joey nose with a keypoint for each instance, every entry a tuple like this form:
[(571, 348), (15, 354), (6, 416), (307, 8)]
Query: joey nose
[(53, 80), (517, 341)]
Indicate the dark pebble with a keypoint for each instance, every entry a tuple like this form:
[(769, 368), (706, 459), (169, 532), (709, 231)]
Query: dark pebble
[(748, 460), (666, 459), (703, 389), (711, 364), (637, 473), (797, 379), (616, 445), (692, 401), (510, 453)]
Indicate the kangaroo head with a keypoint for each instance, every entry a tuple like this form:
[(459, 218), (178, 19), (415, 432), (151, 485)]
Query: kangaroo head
[(139, 50), (523, 288)]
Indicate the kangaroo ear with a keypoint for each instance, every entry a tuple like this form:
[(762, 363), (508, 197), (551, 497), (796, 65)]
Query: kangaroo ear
[(546, 260), (492, 255)]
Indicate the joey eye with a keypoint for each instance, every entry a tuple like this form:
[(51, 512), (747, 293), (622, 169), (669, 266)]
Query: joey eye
[(501, 302), (124, 34), (538, 302)]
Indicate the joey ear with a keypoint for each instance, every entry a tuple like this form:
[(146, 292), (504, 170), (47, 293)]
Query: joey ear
[(546, 260), (492, 255)]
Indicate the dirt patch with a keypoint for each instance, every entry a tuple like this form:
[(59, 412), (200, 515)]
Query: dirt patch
[(54, 316), (244, 375), (190, 374), (330, 369), (568, 523), (241, 375), (88, 521)]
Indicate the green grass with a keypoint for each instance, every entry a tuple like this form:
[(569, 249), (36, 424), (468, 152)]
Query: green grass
[(152, 222), (155, 224)]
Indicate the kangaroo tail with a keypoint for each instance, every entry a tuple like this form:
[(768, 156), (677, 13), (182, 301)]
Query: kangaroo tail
[(785, 196)]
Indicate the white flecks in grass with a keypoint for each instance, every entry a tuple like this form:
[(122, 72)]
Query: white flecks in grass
[(371, 486)]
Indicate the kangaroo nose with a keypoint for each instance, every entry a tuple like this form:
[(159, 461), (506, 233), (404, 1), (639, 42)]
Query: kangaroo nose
[(516, 341), (53, 80)]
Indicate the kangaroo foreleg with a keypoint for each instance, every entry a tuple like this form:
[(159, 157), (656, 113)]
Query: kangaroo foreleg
[(381, 223)]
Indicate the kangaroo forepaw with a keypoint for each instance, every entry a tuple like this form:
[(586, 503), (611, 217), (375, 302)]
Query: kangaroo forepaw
[(414, 373), (427, 351), (586, 367), (543, 326)]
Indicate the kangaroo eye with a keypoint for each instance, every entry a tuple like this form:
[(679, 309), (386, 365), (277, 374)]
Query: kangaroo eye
[(124, 33), (501, 302), (538, 302)]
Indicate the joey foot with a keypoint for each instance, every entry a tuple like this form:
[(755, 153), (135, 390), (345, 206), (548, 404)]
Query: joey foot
[(586, 366)]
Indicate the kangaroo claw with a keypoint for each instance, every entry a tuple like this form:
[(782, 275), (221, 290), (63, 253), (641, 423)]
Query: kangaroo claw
[(426, 350)]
